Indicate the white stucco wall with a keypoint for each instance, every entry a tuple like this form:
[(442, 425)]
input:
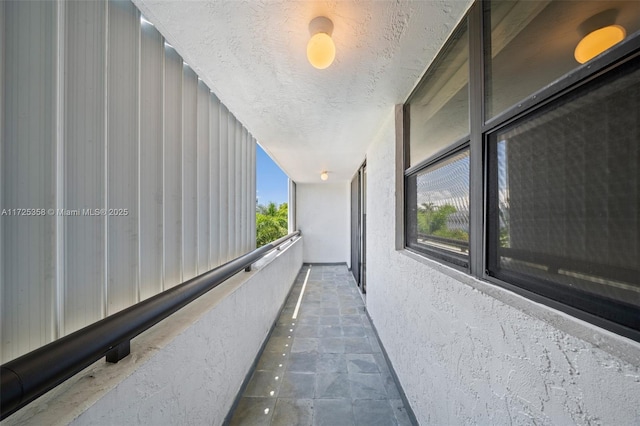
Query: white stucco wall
[(186, 369), (322, 212), (467, 352)]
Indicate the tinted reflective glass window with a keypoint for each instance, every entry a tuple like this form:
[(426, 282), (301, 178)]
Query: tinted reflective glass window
[(439, 108), (567, 206), (533, 43), (438, 206)]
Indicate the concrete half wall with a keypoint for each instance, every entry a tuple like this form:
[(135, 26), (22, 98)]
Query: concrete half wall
[(467, 352), (322, 212), (186, 369)]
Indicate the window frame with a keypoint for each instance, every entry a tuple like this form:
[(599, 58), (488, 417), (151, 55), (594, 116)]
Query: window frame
[(481, 196), (454, 260)]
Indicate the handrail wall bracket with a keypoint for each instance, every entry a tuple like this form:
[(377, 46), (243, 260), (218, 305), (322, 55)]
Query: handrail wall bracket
[(118, 352)]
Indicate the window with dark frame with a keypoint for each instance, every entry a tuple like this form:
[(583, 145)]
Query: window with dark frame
[(437, 181), (560, 149)]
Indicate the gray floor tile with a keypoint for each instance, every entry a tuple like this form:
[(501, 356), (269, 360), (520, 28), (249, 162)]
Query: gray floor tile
[(400, 412), (357, 345), (373, 413), (333, 385), (253, 411), (331, 363), (289, 412), (375, 346), (333, 412), (390, 386), (306, 331), (305, 344), (330, 331), (349, 310), (284, 320), (329, 320), (351, 320), (298, 385), (272, 361), (361, 363), (314, 320), (281, 331), (367, 386), (264, 384), (331, 345), (325, 367), (353, 331), (303, 362), (278, 344)]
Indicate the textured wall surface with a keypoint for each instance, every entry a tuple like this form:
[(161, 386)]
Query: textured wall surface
[(252, 53), (323, 217), (467, 352), (185, 370)]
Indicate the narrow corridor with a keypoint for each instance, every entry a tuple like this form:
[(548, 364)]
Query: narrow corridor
[(323, 364)]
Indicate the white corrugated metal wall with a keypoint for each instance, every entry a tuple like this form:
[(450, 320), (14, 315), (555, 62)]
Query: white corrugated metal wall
[(98, 113)]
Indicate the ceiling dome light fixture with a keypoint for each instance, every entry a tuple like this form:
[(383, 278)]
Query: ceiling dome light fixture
[(321, 51), (598, 41), (599, 33), (324, 175)]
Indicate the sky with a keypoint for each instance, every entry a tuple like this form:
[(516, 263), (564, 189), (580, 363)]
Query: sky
[(271, 182)]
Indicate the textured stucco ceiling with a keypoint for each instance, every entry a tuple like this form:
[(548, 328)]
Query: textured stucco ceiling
[(252, 54)]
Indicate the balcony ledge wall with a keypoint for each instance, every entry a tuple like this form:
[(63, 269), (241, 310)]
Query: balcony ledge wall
[(468, 352), (186, 369)]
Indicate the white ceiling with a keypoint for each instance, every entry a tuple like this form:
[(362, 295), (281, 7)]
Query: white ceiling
[(252, 54)]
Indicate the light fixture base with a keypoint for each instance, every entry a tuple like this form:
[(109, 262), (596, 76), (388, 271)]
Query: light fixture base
[(320, 24)]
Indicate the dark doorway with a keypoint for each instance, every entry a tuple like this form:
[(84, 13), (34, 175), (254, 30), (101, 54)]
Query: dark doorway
[(358, 227)]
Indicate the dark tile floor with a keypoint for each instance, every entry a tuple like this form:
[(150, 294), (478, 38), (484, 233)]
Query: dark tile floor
[(324, 365)]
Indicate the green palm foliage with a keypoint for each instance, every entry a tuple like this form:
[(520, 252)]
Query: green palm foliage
[(271, 222), (432, 220)]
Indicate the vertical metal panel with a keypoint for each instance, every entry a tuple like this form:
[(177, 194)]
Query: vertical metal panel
[(84, 159), (151, 161), (122, 160), (60, 168), (214, 178), (189, 174), (2, 179), (253, 193), (292, 206), (172, 181), (247, 191), (399, 165), (5, 324), (476, 155), (28, 176), (224, 184), (238, 190), (244, 232), (203, 178), (231, 195)]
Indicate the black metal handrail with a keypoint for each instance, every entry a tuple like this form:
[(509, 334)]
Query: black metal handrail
[(31, 375)]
